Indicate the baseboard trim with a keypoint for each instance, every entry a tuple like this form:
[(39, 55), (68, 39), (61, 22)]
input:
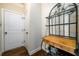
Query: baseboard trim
[(34, 51), (0, 53)]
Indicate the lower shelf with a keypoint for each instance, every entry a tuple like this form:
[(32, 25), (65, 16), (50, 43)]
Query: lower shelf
[(60, 52)]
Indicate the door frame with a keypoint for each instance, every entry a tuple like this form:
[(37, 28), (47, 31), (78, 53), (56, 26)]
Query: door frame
[(3, 25)]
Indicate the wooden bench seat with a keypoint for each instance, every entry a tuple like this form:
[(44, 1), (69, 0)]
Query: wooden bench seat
[(66, 44)]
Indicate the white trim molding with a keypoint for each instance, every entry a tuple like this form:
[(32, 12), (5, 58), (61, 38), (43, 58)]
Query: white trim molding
[(0, 53), (34, 51)]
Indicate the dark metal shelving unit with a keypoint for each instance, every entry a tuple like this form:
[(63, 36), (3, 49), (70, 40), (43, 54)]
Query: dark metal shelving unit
[(63, 10)]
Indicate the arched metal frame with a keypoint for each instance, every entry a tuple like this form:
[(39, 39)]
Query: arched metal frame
[(64, 11)]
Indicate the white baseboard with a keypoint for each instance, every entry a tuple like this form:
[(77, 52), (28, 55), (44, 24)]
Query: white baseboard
[(34, 51), (0, 53), (45, 50)]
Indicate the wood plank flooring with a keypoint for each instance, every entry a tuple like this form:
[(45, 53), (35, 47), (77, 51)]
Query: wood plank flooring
[(21, 51)]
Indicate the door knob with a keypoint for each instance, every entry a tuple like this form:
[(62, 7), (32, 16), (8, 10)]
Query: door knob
[(5, 32), (26, 32)]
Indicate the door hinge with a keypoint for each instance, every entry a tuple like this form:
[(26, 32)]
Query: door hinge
[(23, 17)]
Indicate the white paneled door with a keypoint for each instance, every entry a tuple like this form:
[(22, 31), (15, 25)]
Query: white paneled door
[(14, 30)]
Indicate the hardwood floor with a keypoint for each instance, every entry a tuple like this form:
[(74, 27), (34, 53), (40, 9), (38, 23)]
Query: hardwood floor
[(40, 53), (21, 51)]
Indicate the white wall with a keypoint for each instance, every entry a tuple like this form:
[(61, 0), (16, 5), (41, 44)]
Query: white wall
[(46, 7), (34, 29)]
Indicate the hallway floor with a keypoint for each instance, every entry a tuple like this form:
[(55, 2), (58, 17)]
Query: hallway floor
[(21, 51)]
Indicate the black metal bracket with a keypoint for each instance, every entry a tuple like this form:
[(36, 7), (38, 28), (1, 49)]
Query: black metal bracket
[(76, 52), (49, 48)]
